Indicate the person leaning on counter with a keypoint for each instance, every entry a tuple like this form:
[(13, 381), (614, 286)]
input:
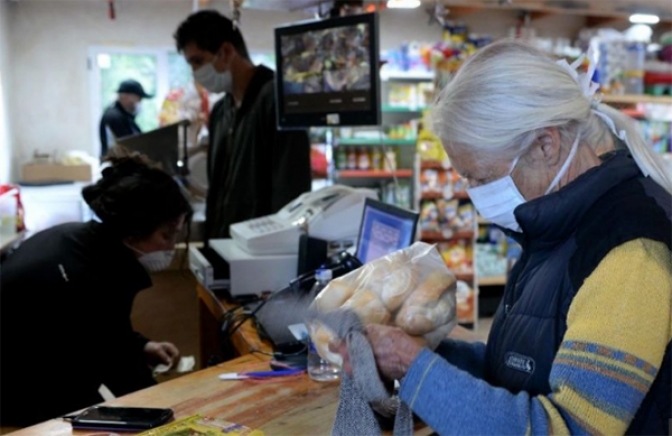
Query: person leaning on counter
[(581, 341), (253, 169), (67, 293)]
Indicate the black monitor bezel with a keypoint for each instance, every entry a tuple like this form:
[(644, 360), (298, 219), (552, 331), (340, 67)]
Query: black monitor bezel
[(371, 117), (390, 209)]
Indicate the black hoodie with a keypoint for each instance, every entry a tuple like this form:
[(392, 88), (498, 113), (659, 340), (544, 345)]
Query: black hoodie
[(253, 169)]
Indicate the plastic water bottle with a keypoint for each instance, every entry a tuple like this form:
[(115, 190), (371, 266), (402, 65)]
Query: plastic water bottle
[(318, 368)]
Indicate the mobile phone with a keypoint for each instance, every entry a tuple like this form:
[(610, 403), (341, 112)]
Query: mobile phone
[(121, 418)]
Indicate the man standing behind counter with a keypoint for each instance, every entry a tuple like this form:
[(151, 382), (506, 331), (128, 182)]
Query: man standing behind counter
[(253, 169)]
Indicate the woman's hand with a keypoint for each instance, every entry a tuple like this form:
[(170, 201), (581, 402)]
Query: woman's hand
[(393, 350), (161, 352)]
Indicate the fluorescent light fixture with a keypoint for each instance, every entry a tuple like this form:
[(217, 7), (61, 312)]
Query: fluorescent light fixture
[(403, 4), (644, 19)]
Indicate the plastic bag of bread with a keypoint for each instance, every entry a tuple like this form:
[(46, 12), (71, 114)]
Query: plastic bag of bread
[(412, 289)]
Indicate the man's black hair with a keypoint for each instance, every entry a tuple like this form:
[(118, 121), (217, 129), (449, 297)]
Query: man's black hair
[(208, 30)]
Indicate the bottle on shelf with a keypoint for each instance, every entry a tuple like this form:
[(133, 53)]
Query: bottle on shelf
[(376, 159), (352, 158), (318, 368), (390, 160), (363, 159), (341, 158)]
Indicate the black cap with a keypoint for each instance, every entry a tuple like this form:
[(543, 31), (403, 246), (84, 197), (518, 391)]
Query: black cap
[(133, 87)]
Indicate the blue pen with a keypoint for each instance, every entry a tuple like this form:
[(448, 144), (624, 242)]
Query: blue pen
[(259, 374)]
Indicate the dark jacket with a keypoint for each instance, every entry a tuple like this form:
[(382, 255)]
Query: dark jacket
[(65, 303), (120, 123), (253, 169), (565, 236)]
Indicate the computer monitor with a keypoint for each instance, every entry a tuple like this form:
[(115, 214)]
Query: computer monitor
[(161, 146), (384, 229), (327, 73)]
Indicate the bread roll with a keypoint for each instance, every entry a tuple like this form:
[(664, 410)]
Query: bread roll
[(431, 289), (397, 286), (368, 307), (333, 296), (415, 322), (322, 336), (425, 309)]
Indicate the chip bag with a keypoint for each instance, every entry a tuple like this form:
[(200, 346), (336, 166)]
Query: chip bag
[(412, 289)]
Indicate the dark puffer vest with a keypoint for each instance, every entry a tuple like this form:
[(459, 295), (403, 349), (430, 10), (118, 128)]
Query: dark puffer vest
[(565, 236)]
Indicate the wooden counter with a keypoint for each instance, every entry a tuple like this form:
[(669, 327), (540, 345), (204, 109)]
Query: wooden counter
[(211, 310), (284, 406)]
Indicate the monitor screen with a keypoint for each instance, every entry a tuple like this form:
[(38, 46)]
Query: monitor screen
[(327, 72), (161, 146), (385, 229)]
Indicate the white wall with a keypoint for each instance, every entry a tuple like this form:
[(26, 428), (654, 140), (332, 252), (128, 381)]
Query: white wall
[(49, 40), (5, 133)]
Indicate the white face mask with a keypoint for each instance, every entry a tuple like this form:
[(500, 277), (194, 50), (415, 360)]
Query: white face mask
[(497, 200), (156, 260), (213, 80)]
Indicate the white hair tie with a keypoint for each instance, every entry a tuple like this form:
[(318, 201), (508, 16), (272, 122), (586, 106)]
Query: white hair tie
[(589, 89)]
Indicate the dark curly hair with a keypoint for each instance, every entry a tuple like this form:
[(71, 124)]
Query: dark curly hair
[(134, 199), (209, 30)]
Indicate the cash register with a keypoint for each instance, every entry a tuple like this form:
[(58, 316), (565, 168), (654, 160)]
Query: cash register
[(263, 253)]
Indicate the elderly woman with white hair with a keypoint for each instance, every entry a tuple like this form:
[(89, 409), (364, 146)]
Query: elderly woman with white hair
[(581, 341)]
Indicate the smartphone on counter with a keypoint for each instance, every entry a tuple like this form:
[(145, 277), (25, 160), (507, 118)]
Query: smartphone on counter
[(121, 418)]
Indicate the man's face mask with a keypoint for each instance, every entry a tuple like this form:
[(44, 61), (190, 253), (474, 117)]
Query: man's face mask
[(212, 80)]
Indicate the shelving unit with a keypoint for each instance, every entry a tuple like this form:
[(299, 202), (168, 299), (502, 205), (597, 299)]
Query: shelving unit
[(457, 232), (634, 99), (372, 174), (368, 142)]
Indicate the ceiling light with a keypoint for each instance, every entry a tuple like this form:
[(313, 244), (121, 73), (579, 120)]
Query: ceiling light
[(644, 19), (403, 4)]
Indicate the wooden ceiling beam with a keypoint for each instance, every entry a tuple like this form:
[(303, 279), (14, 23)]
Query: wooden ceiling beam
[(595, 21)]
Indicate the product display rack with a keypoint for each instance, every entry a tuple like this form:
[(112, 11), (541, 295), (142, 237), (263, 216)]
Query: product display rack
[(448, 220)]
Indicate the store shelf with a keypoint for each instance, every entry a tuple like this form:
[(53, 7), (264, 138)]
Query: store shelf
[(361, 174), (432, 196), (465, 277), (482, 221), (403, 109), (376, 141), (492, 281), (634, 99), (439, 237), (460, 195), (432, 165), (407, 75)]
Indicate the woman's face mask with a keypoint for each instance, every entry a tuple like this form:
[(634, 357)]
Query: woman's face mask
[(156, 260), (496, 201)]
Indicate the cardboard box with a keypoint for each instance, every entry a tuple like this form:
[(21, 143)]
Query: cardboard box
[(49, 172)]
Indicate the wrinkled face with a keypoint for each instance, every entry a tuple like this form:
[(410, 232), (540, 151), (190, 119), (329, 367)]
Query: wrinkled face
[(532, 174), (163, 238)]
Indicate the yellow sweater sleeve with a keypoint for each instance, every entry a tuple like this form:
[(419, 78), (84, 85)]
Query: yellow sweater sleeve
[(618, 327)]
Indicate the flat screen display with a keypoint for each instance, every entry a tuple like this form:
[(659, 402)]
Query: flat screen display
[(385, 229), (327, 73)]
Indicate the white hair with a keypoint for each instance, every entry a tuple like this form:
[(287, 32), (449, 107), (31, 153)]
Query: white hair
[(507, 92)]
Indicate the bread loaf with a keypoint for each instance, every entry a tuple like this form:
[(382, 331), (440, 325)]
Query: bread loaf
[(333, 296), (322, 336), (368, 307), (397, 286), (424, 309)]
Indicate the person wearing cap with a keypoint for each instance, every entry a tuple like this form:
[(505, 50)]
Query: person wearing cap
[(253, 168), (118, 120)]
